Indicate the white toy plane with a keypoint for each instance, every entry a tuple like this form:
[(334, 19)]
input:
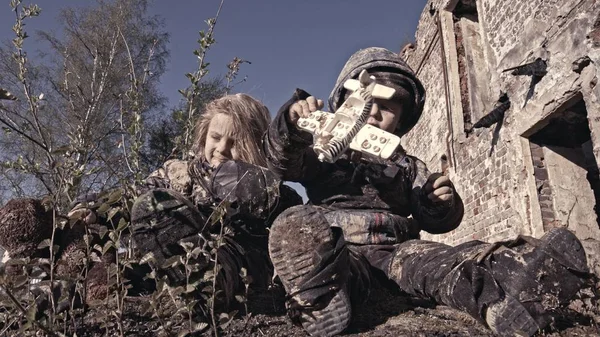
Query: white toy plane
[(347, 127)]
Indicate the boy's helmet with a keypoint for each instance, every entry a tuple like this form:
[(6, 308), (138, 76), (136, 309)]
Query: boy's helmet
[(383, 60)]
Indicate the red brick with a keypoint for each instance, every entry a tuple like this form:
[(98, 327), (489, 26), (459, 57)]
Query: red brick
[(538, 163), (540, 173), (537, 152), (546, 190), (547, 215), (502, 152)]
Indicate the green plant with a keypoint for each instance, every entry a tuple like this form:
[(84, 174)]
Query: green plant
[(65, 166)]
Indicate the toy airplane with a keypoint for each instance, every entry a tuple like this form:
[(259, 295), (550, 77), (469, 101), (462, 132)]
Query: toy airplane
[(347, 128)]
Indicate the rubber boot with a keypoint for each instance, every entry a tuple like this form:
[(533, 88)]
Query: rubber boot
[(316, 269)]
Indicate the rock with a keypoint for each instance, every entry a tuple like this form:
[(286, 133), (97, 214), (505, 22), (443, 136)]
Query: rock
[(24, 224)]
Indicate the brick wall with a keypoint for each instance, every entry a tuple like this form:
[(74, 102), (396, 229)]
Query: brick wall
[(509, 25), (492, 169), (424, 34), (505, 21), (433, 126), (542, 183), (484, 179)]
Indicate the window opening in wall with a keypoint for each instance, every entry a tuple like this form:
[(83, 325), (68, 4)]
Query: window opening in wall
[(565, 169), (472, 68)]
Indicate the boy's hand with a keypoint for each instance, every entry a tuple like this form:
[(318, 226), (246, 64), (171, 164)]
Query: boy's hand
[(303, 108), (439, 188)]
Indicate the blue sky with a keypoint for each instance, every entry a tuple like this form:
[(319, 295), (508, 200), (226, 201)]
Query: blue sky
[(291, 44)]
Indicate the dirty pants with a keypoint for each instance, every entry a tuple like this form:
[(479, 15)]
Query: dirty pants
[(468, 277)]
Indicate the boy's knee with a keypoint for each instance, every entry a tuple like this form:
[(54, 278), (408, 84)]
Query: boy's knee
[(296, 213), (299, 218)]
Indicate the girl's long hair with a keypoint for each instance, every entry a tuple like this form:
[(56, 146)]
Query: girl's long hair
[(250, 120)]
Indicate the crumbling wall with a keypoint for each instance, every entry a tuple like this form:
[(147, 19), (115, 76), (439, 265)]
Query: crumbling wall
[(542, 183), (510, 25), (425, 33), (493, 168), (572, 197), (436, 115)]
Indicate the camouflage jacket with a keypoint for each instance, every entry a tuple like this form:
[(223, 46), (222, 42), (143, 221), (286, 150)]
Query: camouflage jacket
[(393, 185), (251, 194)]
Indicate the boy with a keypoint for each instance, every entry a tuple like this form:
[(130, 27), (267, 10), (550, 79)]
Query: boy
[(358, 221)]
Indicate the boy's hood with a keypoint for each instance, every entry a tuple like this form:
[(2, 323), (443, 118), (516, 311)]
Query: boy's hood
[(380, 57)]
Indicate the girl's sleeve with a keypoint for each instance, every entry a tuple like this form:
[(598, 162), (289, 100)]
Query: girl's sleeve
[(173, 175), (251, 192)]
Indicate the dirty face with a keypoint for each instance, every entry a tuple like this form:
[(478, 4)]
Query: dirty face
[(385, 114), (221, 139)]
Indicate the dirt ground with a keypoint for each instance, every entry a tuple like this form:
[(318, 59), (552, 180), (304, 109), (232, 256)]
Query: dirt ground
[(386, 313), (389, 313)]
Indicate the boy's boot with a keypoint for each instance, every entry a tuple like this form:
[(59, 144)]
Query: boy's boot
[(540, 274), (511, 286), (317, 270)]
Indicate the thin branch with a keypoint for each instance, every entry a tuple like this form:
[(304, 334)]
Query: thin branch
[(211, 29), (27, 90), (132, 68), (9, 125), (24, 312), (200, 75), (123, 143), (147, 67)]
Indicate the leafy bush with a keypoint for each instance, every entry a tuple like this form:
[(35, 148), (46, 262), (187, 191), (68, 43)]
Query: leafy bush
[(79, 125)]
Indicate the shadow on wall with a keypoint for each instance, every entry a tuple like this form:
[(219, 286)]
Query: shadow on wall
[(566, 172)]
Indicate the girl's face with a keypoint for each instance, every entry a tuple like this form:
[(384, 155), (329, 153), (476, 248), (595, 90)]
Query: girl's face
[(220, 145)]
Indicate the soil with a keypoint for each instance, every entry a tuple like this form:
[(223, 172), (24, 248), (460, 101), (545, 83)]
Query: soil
[(390, 313), (386, 313)]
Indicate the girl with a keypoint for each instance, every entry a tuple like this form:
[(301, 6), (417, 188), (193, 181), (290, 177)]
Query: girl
[(225, 188), (225, 179)]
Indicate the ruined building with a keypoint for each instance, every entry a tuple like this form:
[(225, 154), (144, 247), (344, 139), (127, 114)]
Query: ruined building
[(512, 113)]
